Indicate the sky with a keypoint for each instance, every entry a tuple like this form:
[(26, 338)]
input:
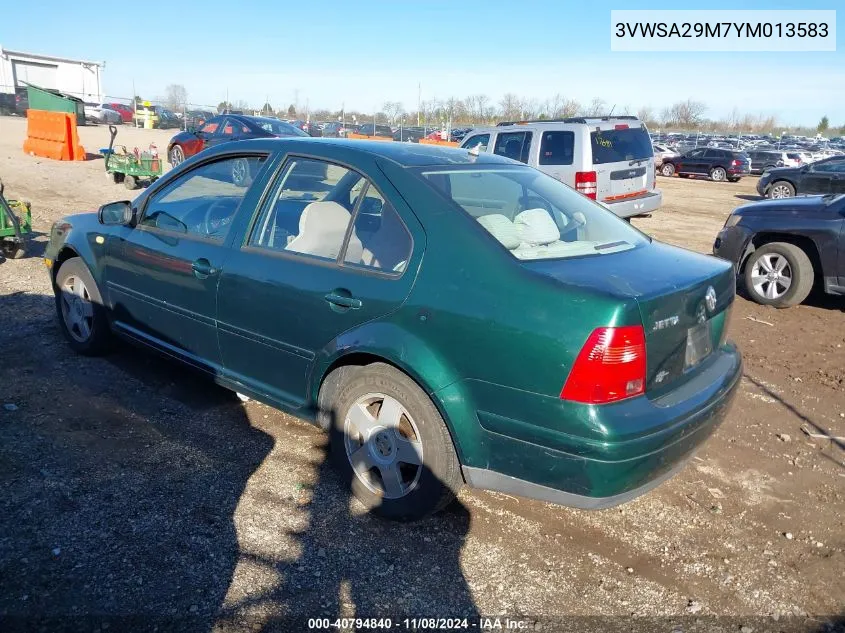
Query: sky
[(361, 54)]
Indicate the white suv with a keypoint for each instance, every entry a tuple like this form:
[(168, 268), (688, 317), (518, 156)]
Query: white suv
[(608, 159)]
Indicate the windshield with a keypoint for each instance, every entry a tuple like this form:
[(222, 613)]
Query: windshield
[(279, 128), (614, 146), (531, 214)]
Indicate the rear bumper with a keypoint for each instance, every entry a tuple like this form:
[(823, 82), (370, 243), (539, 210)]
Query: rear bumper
[(651, 201), (650, 442)]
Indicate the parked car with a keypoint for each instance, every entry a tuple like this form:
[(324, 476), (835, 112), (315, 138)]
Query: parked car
[(718, 164), (609, 159), (822, 177), (122, 109), (195, 119), (309, 127), (337, 129), (662, 152), (101, 113), (782, 248), (225, 128), (380, 130), (409, 134), (359, 286)]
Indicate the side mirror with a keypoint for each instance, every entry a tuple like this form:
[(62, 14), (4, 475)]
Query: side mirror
[(116, 213)]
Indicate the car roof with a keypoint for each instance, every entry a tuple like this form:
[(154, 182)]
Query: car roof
[(403, 154)]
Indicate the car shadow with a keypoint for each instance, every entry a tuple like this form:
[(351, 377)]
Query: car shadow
[(748, 197), (122, 477)]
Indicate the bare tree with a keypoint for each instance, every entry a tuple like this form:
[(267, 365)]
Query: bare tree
[(687, 114), (177, 97), (597, 107), (393, 110), (478, 108), (510, 107)]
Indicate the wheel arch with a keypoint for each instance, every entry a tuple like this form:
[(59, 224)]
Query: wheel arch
[(415, 354), (803, 242), (65, 253)]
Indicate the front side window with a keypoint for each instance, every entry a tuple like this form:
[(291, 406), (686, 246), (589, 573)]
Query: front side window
[(833, 166), (513, 145), (557, 148), (210, 127), (204, 201), (532, 215)]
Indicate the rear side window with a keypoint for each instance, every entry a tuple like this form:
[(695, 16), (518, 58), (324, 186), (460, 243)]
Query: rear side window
[(514, 145), (614, 146), (557, 148)]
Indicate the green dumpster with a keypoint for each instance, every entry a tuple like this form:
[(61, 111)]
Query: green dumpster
[(55, 101)]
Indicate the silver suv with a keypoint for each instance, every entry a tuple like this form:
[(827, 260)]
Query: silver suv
[(608, 159)]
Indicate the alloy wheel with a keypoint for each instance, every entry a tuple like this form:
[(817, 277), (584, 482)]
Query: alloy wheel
[(177, 155), (77, 309), (771, 276), (781, 191), (383, 445), (718, 174)]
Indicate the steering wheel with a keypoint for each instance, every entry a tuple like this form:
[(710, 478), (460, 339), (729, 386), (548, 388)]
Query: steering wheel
[(217, 216)]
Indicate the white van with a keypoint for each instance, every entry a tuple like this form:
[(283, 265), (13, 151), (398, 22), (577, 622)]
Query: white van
[(608, 159)]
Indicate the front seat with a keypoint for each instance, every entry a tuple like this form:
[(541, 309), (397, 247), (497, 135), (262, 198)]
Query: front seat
[(322, 227)]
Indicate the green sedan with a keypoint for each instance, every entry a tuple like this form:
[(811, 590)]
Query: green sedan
[(448, 318)]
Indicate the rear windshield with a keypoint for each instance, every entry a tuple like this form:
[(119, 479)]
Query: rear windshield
[(531, 214), (614, 146)]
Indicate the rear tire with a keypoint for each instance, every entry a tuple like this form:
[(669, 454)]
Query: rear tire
[(130, 182), (718, 174), (667, 169), (79, 306), (733, 179), (779, 274), (377, 415), (781, 189)]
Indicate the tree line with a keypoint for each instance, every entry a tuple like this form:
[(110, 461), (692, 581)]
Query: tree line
[(479, 109)]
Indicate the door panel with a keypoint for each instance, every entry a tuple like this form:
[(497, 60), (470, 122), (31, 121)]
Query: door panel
[(307, 297), (814, 182), (161, 282)]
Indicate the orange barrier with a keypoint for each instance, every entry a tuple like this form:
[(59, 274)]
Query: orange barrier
[(427, 141), (370, 138), (52, 135)]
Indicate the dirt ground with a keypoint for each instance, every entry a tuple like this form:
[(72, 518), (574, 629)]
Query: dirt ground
[(137, 494)]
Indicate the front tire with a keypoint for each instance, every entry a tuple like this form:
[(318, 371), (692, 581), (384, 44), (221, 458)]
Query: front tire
[(176, 155), (779, 274), (667, 169), (79, 305), (781, 189), (718, 174), (389, 442)]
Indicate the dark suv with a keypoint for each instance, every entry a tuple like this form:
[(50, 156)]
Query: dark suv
[(822, 177), (719, 164)]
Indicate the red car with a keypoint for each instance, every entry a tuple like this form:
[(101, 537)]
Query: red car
[(124, 110)]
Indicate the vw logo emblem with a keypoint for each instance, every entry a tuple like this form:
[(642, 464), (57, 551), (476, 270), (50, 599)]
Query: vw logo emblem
[(710, 299)]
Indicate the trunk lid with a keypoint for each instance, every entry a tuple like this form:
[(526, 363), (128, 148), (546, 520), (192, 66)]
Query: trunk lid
[(671, 287)]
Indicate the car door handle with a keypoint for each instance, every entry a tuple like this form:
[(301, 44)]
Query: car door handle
[(343, 300), (203, 269)]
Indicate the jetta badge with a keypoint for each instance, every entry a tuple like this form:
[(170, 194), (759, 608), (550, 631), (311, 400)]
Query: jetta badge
[(710, 299)]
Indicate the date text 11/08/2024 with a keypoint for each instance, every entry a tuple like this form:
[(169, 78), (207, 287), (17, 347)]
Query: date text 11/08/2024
[(421, 624)]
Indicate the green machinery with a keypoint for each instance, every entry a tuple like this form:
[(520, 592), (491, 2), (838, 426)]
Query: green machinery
[(131, 168), (15, 226)]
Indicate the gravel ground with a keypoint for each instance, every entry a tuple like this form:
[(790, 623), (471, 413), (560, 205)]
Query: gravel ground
[(137, 495)]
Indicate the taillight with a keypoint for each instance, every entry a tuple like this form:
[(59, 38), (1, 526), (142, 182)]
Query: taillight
[(735, 163), (610, 367), (585, 183)]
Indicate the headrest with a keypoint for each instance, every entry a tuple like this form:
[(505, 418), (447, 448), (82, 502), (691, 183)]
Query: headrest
[(536, 227)]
